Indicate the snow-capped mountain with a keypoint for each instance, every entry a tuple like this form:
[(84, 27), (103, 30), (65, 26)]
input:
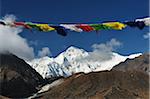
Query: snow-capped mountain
[(73, 60)]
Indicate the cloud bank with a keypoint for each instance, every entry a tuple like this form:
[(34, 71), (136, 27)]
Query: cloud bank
[(103, 51), (12, 42)]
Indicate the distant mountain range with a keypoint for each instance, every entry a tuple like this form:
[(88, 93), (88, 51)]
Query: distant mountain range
[(74, 60)]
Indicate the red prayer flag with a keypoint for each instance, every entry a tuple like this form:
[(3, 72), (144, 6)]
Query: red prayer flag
[(85, 27), (22, 24)]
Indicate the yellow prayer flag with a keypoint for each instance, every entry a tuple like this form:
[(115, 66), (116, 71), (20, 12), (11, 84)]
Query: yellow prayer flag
[(115, 25), (45, 27)]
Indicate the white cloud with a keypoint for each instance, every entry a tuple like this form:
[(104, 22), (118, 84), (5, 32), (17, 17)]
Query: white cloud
[(108, 46), (103, 51), (44, 52), (11, 41), (9, 18), (147, 36)]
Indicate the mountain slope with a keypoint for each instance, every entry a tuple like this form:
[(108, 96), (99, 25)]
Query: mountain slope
[(140, 63), (75, 60), (114, 84), (17, 78)]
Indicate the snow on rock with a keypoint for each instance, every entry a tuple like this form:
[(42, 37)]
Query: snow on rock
[(41, 65), (48, 86), (73, 60), (134, 55)]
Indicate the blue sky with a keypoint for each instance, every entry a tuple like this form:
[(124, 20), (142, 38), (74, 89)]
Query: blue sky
[(85, 11)]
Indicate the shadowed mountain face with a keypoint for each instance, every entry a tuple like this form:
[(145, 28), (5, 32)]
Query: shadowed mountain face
[(17, 78), (129, 80)]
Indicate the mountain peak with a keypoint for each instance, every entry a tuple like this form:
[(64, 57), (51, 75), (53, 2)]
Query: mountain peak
[(74, 60), (72, 53), (72, 48)]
